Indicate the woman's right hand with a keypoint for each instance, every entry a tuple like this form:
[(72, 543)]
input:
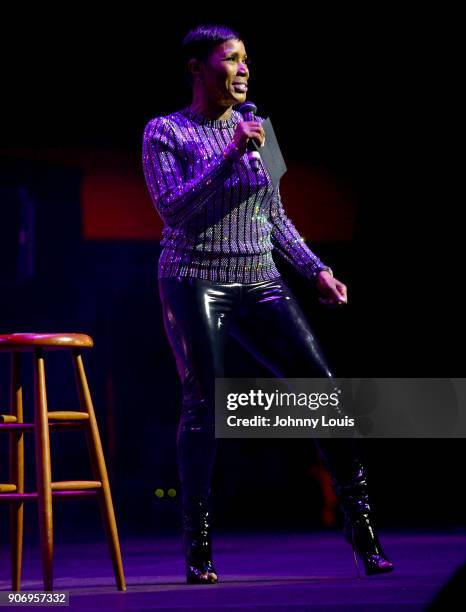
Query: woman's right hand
[(246, 130)]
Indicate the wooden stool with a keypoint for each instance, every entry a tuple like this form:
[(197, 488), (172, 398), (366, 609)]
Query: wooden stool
[(43, 422)]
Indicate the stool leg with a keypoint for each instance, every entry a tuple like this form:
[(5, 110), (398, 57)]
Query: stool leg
[(16, 473), (99, 469), (43, 469)]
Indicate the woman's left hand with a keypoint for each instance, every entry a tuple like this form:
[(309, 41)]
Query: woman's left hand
[(332, 291)]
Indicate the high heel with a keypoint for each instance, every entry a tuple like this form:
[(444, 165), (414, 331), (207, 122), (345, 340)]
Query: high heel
[(341, 458), (359, 530), (365, 544), (200, 568)]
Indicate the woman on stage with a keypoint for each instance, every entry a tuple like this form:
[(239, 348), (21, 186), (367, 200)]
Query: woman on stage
[(217, 276)]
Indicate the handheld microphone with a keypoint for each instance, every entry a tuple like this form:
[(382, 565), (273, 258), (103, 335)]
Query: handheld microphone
[(248, 110)]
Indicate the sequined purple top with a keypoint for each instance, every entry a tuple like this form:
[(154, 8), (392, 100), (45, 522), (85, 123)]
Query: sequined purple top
[(222, 219)]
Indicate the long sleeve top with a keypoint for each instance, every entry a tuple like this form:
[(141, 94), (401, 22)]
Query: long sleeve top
[(221, 219)]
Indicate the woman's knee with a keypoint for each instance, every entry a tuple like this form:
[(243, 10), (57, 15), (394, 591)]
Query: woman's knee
[(198, 406)]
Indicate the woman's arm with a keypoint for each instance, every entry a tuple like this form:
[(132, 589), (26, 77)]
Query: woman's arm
[(288, 241), (177, 200)]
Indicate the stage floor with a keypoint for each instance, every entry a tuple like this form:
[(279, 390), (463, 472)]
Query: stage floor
[(277, 571)]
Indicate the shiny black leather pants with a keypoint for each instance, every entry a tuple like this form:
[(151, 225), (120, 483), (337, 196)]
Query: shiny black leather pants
[(267, 320)]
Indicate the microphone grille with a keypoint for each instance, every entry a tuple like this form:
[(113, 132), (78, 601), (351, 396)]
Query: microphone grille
[(247, 107)]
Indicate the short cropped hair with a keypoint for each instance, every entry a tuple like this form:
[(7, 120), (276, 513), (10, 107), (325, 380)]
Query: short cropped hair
[(201, 40)]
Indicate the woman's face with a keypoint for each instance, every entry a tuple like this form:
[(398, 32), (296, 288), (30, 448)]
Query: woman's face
[(225, 73)]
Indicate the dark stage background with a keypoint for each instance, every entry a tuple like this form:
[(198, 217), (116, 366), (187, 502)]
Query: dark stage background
[(363, 105)]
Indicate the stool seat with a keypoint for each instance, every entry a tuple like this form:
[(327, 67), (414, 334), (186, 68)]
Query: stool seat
[(29, 341)]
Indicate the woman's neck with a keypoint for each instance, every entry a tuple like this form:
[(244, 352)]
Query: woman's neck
[(209, 110)]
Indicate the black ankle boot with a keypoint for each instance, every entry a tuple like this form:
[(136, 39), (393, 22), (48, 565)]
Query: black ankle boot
[(197, 544), (359, 529)]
